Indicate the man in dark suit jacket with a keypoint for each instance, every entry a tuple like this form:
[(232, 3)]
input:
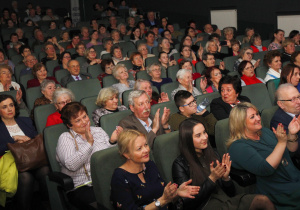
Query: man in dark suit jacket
[(140, 119), (75, 75), (289, 106), (150, 21)]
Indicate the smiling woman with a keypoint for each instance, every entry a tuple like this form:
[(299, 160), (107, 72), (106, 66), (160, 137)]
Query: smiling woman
[(247, 73), (40, 73)]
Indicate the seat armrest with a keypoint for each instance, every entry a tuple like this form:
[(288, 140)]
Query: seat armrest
[(65, 181), (243, 178)]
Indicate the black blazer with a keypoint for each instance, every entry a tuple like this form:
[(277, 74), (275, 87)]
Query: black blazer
[(26, 125), (181, 173), (67, 79), (221, 110)]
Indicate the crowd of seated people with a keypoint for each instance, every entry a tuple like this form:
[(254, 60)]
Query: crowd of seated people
[(126, 53)]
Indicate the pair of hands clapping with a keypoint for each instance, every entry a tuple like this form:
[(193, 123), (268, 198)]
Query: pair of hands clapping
[(221, 170), (293, 127)]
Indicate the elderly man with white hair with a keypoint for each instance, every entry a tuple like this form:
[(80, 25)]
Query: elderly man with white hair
[(141, 120), (185, 79), (288, 100)]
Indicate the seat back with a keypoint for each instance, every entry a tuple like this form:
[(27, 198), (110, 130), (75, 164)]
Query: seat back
[(90, 103), (84, 88), (267, 114), (50, 65), (31, 95), (172, 71), (261, 72), (51, 136), (169, 104), (125, 96), (18, 69), (127, 46), (109, 159), (229, 62), (200, 67), (151, 60), (165, 151), (12, 93), (209, 96), (266, 43), (272, 86), (61, 74), (127, 63), (168, 88), (94, 70), (221, 135), (41, 114), (25, 78), (258, 94), (109, 81), (109, 121), (143, 75)]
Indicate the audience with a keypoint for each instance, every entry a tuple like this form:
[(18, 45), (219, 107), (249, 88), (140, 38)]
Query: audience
[(295, 58), (213, 76), (29, 61), (246, 54), (289, 48), (247, 73), (273, 60), (290, 74), (150, 38), (107, 65), (154, 71), (256, 43), (277, 39), (39, 73), (117, 55)]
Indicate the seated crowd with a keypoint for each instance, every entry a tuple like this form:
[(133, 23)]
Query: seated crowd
[(147, 67)]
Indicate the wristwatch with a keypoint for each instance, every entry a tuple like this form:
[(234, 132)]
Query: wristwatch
[(168, 128), (157, 203)]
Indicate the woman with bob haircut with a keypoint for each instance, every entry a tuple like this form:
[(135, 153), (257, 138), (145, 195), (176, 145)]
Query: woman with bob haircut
[(107, 100), (290, 74), (199, 162), (266, 154), (137, 183), (272, 60), (277, 39), (247, 73), (39, 72)]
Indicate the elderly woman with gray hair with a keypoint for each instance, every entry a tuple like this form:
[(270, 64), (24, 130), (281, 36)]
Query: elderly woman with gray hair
[(185, 80), (120, 72), (47, 88), (246, 54), (60, 98), (154, 70), (107, 100)]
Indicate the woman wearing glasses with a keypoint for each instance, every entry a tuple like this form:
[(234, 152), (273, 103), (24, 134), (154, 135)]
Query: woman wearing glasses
[(246, 54), (247, 73), (61, 97)]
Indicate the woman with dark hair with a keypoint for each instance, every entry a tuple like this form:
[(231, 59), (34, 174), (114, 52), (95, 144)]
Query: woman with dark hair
[(187, 40), (256, 44), (63, 60), (40, 73), (94, 39), (199, 162), (165, 46), (230, 89), (188, 54), (277, 39), (135, 35), (213, 76), (294, 34), (75, 148), (272, 59), (249, 31), (15, 129), (136, 59), (190, 31), (290, 74), (102, 32), (247, 73), (246, 54), (107, 66), (295, 58)]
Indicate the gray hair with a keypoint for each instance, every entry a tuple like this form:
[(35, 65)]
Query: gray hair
[(150, 68), (227, 30), (45, 83), (116, 69), (180, 74), (135, 94), (105, 94), (281, 89), (61, 91), (140, 45), (120, 25), (242, 52), (139, 82), (25, 59)]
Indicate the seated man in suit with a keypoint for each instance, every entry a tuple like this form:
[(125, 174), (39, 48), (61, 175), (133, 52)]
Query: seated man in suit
[(141, 120), (150, 21), (288, 100), (29, 61), (187, 106), (75, 75)]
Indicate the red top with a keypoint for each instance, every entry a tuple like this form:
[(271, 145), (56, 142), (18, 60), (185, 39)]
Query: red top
[(193, 62), (35, 82), (255, 50), (54, 119)]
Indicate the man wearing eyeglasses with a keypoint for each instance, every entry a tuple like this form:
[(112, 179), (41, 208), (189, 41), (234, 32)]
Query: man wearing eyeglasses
[(288, 100), (187, 106)]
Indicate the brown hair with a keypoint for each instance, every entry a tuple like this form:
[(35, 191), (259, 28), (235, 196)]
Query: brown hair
[(36, 68), (71, 110)]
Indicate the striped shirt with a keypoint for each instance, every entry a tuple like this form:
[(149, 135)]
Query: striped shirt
[(72, 161)]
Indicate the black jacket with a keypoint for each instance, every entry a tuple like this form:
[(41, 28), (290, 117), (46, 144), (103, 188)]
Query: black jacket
[(181, 173), (221, 110)]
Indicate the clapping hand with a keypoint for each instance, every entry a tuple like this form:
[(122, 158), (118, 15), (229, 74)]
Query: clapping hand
[(294, 126), (187, 191), (88, 135), (216, 172), (280, 133), (226, 162)]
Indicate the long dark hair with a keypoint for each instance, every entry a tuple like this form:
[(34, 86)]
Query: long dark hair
[(197, 172), (286, 71)]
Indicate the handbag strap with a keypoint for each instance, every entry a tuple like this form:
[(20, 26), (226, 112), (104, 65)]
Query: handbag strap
[(76, 145)]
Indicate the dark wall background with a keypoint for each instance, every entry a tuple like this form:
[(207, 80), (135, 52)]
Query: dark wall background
[(261, 14)]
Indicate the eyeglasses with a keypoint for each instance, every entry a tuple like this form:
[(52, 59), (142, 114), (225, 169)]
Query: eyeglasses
[(249, 68), (62, 103), (191, 103), (248, 53), (293, 100)]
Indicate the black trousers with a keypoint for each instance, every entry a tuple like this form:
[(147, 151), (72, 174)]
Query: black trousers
[(83, 197)]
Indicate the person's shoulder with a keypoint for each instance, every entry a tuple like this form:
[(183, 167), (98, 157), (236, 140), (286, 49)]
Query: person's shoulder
[(217, 100), (244, 98), (26, 120), (122, 107)]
